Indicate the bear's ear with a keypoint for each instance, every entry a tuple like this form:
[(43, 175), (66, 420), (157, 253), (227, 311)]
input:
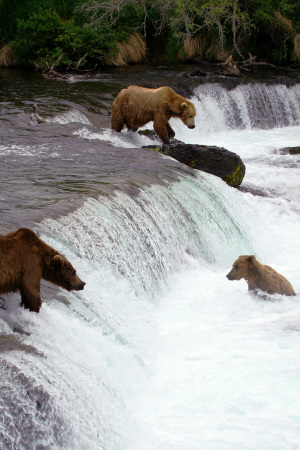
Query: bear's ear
[(59, 260), (183, 106), (251, 258)]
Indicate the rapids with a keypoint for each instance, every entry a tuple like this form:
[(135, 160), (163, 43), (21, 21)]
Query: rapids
[(160, 350)]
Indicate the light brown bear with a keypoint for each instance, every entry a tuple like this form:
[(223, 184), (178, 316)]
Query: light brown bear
[(136, 106), (25, 259), (259, 276)]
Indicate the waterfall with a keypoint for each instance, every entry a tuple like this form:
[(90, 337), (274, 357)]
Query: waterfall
[(125, 248), (247, 106), (160, 350), (146, 237)]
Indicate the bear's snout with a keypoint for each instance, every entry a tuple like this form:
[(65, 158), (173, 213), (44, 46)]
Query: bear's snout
[(230, 276), (191, 126), (79, 286)]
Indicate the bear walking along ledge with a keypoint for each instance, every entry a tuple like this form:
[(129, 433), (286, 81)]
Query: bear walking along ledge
[(136, 106), (25, 260), (259, 276)]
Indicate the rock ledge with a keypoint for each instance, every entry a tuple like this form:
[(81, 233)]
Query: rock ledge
[(211, 159)]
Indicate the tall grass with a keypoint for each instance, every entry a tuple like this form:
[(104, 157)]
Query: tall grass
[(7, 57), (204, 45), (132, 51), (296, 53)]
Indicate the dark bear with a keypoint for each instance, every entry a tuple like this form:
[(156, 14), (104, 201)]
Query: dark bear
[(136, 106), (259, 276), (25, 259)]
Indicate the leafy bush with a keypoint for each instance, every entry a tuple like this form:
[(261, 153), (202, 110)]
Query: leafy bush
[(46, 29), (44, 37), (13, 10)]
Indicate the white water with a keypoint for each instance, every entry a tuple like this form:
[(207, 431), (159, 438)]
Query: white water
[(227, 365), (161, 351)]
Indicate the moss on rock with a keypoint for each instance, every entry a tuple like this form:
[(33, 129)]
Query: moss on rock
[(236, 178), (294, 150), (215, 160)]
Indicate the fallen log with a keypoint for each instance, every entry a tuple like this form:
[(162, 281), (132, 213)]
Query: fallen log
[(231, 68), (50, 72)]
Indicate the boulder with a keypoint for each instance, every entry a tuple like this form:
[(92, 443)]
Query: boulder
[(215, 160), (211, 159), (289, 150)]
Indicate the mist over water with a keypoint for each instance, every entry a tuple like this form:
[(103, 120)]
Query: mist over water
[(160, 350)]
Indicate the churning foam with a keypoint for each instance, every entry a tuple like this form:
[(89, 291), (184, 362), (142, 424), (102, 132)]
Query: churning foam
[(160, 350)]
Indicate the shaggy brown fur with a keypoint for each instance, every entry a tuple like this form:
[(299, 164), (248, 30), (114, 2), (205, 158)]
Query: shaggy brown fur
[(136, 106), (25, 259), (259, 276)]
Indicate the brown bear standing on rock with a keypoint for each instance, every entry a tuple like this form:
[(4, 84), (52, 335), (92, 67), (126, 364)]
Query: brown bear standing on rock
[(259, 276), (25, 259), (136, 106)]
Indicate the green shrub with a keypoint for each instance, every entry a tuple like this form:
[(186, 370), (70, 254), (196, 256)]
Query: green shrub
[(44, 36), (13, 10), (39, 31)]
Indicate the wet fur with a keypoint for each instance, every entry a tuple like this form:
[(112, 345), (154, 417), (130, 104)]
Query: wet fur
[(25, 259), (259, 276)]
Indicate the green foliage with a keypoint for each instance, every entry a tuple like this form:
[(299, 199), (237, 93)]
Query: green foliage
[(274, 28), (44, 36), (172, 47), (37, 36), (100, 17), (13, 10), (41, 30)]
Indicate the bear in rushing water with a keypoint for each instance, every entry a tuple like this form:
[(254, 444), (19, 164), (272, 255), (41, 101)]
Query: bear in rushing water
[(135, 106), (25, 259), (259, 276)]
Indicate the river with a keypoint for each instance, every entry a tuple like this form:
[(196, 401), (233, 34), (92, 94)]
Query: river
[(159, 351)]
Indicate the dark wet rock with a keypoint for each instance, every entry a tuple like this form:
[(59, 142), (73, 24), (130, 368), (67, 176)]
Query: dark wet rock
[(289, 150), (149, 133), (197, 72), (215, 160)]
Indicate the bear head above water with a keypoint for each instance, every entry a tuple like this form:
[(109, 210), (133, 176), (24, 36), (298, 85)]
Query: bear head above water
[(259, 276)]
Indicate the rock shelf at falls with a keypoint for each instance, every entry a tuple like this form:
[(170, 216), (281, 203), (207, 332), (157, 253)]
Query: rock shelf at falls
[(208, 158)]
